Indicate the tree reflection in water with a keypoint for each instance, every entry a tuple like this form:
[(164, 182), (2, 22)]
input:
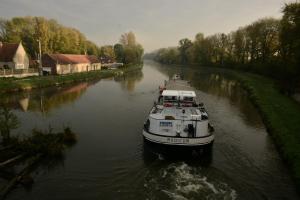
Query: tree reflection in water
[(216, 82), (129, 80), (23, 155), (44, 100)]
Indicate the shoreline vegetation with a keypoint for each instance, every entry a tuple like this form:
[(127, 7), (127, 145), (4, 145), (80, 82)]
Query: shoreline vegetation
[(23, 154), (280, 114), (9, 85)]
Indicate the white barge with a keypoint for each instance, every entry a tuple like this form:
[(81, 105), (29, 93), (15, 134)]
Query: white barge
[(177, 120)]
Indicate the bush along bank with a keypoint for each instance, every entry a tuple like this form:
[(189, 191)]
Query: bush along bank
[(13, 85), (281, 116)]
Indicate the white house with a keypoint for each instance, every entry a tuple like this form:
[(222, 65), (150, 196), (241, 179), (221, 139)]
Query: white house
[(69, 63), (13, 56)]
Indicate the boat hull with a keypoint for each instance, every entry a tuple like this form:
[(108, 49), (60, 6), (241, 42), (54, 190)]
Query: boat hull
[(178, 141)]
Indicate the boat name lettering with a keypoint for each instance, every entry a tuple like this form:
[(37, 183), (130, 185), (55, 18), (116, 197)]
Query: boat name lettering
[(178, 140)]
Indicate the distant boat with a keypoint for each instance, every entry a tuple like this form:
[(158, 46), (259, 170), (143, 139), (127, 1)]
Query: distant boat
[(177, 119)]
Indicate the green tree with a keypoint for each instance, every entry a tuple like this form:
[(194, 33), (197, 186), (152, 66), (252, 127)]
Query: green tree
[(119, 52), (128, 39), (3, 33), (133, 51), (91, 48), (198, 51), (290, 34), (185, 50), (240, 46), (108, 51), (54, 37)]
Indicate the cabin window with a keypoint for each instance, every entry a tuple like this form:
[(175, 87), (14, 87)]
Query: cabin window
[(170, 98), (190, 99)]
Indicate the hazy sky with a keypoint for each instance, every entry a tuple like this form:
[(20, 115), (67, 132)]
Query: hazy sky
[(155, 23)]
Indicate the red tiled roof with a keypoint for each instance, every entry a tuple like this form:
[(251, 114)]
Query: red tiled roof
[(73, 59), (8, 51)]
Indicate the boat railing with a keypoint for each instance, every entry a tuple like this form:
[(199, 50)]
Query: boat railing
[(171, 118), (180, 104)]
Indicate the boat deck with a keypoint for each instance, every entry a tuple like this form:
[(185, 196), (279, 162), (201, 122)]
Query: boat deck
[(178, 85), (187, 113)]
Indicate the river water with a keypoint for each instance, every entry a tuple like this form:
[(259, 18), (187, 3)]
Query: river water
[(111, 161)]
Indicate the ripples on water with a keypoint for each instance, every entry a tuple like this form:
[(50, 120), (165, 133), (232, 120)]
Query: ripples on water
[(181, 181)]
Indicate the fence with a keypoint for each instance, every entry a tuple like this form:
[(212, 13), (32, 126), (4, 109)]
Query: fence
[(18, 72)]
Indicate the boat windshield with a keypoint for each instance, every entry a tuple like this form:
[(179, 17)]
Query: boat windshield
[(170, 99), (188, 99)]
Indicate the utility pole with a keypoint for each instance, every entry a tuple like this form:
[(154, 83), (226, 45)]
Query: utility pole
[(40, 58)]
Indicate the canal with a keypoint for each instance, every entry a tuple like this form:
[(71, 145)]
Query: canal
[(111, 161)]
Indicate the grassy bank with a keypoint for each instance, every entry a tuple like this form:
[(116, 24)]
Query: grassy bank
[(281, 116), (14, 85)]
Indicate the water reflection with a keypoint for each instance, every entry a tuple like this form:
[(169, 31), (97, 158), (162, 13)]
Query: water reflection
[(44, 100), (23, 155), (225, 87), (128, 81), (45, 165)]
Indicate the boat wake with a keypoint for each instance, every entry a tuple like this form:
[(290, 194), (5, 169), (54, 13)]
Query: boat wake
[(180, 181)]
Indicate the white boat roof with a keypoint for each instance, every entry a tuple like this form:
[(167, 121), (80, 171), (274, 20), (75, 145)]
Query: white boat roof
[(170, 93), (179, 93), (187, 94)]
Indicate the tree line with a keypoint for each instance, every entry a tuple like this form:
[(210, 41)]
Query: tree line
[(128, 50), (267, 46), (56, 38)]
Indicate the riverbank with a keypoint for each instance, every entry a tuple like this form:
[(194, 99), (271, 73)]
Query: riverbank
[(281, 116), (14, 85)]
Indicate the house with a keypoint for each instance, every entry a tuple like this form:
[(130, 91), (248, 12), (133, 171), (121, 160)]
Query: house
[(13, 56), (69, 63)]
